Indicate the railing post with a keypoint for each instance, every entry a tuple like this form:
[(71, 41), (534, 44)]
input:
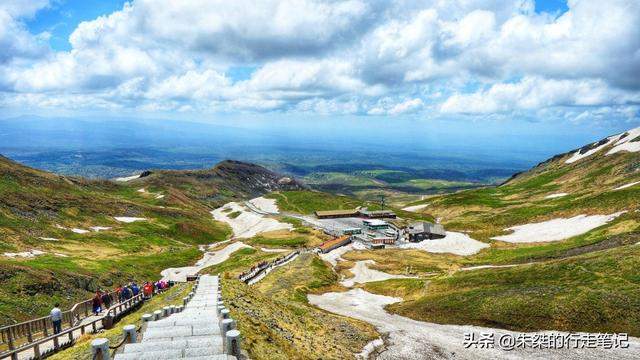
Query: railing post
[(29, 335), (56, 344), (129, 332), (44, 327), (232, 340), (10, 339), (36, 351), (100, 348)]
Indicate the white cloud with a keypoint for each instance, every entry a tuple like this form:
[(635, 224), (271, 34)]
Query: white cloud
[(533, 93), (343, 57)]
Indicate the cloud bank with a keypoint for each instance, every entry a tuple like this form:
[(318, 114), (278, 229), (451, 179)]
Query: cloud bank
[(375, 58)]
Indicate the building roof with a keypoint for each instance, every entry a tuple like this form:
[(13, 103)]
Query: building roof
[(328, 244), (427, 227), (375, 222), (376, 212), (350, 212)]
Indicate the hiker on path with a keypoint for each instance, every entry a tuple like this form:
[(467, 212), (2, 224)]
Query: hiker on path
[(106, 300), (97, 303), (147, 290), (56, 318)]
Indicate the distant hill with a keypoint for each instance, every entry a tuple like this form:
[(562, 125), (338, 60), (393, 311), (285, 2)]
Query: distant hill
[(227, 181)]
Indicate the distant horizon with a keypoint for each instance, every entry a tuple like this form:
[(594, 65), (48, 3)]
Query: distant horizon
[(111, 147)]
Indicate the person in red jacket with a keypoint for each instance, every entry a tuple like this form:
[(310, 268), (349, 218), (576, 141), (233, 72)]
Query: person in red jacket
[(147, 290)]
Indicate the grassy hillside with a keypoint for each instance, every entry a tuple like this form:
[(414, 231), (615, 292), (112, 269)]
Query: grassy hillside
[(584, 283), (277, 323), (308, 201), (54, 214), (594, 292), (227, 181)]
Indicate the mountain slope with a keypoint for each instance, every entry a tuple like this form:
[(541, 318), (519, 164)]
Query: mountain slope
[(227, 181), (63, 237), (602, 181), (583, 282)]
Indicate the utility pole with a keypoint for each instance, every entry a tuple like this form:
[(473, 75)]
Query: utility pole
[(382, 201)]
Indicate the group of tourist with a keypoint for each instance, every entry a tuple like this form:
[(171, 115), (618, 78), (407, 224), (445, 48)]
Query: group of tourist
[(102, 300)]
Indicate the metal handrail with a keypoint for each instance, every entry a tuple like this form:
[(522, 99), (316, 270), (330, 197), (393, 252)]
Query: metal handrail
[(35, 345)]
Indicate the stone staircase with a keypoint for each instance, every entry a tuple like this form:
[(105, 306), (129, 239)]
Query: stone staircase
[(196, 331)]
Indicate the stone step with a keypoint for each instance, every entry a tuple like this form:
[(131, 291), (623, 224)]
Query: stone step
[(168, 354), (177, 344)]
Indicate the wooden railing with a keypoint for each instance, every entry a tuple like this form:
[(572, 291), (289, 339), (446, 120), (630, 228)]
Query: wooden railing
[(28, 331), (41, 347)]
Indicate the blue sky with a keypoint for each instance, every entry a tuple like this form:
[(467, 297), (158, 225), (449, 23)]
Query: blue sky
[(491, 62)]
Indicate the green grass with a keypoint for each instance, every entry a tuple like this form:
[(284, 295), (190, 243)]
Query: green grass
[(306, 202), (595, 292), (234, 214), (240, 261), (295, 241), (277, 323)]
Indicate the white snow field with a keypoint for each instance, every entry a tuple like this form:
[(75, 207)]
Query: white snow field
[(555, 196), (577, 156), (334, 255), (79, 231), (454, 243), (363, 274), (248, 224), (208, 259), (128, 178), (556, 229), (415, 208), (625, 186), (266, 205), (413, 340), (627, 143), (128, 219), (619, 142)]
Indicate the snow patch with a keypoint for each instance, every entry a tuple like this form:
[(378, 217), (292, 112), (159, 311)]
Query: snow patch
[(626, 143), (128, 178), (363, 274), (248, 224), (100, 228), (334, 255), (415, 208), (412, 339), (25, 254), (556, 229), (627, 185), (49, 239), (274, 250), (454, 243), (266, 205), (555, 196), (127, 219), (577, 156), (369, 349), (209, 259), (79, 231)]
